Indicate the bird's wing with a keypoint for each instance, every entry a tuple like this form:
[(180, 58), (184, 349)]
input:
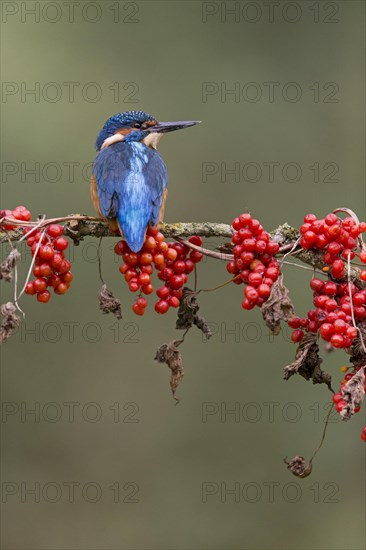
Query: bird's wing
[(130, 179)]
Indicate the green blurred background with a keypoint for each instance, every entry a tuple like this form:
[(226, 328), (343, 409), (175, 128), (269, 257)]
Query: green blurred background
[(178, 60)]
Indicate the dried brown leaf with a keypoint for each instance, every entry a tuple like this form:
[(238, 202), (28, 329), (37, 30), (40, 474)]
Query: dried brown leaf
[(307, 362), (353, 393), (108, 303), (278, 307), (7, 266), (298, 467), (188, 313), (10, 321), (171, 356), (358, 354)]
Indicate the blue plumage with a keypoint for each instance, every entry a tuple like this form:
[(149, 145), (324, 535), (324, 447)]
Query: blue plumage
[(131, 179)]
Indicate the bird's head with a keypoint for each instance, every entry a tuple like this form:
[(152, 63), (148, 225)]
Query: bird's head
[(137, 126)]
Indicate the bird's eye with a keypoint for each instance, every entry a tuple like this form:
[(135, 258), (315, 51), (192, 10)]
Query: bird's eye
[(137, 125)]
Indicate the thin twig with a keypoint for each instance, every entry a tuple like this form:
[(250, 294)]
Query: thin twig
[(323, 435)]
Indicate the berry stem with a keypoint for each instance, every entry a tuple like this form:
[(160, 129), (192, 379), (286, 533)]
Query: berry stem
[(327, 418), (205, 251)]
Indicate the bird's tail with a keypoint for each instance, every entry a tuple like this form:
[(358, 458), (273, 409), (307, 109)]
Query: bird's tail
[(133, 227)]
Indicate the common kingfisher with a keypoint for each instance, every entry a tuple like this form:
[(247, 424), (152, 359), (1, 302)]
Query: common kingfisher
[(129, 180)]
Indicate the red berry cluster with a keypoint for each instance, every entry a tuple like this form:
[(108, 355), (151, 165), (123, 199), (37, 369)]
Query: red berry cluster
[(254, 263), (19, 213), (336, 237), (51, 268), (332, 316), (173, 262)]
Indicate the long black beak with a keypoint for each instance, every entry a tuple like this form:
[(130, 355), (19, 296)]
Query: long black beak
[(163, 127)]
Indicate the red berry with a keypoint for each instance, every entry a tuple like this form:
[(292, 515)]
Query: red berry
[(176, 281), (340, 326), (44, 296), (363, 434), (251, 293), (62, 288), (309, 218), (316, 284), (171, 254), (120, 248), (179, 266), (297, 336), (161, 306), (67, 277), (56, 261), (190, 265), (55, 230), (147, 289), (144, 279), (174, 301), (29, 289), (273, 248), (39, 284), (330, 288), (195, 256), (331, 219), (246, 304), (338, 269), (65, 266), (138, 310), (150, 243), (337, 397), (54, 280), (337, 341), (45, 270), (195, 239), (254, 279), (163, 292), (340, 405), (141, 302), (363, 256), (61, 243), (264, 291), (272, 273), (326, 331), (133, 285)]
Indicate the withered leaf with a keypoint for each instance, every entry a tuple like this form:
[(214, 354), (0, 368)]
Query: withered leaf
[(278, 307), (169, 354), (353, 393), (298, 467), (358, 354), (108, 303), (307, 362), (10, 321), (7, 266), (187, 313)]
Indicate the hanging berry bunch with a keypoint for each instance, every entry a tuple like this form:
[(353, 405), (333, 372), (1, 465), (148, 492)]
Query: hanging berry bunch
[(51, 268), (254, 263), (339, 305), (173, 262)]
